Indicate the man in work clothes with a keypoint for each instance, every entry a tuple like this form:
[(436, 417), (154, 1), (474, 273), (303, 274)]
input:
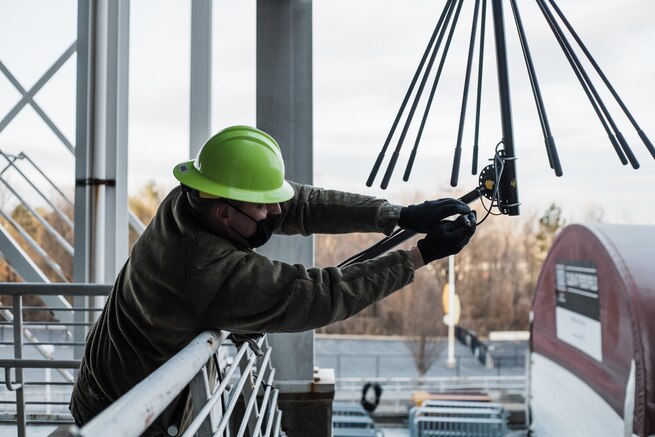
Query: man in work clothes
[(194, 267)]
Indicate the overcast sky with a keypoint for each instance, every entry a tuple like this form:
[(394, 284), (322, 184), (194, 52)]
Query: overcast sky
[(365, 53)]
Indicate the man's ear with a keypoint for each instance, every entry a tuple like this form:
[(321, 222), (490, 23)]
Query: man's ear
[(221, 213)]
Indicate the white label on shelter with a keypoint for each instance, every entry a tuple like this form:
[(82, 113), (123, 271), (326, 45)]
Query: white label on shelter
[(577, 316)]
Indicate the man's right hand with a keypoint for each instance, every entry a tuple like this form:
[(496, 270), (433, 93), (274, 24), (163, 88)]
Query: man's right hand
[(425, 216), (447, 238)]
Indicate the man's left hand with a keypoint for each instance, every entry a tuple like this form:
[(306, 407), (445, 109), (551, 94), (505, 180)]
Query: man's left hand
[(425, 216)]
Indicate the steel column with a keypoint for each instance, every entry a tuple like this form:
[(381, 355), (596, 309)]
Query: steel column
[(18, 354), (284, 110), (201, 68), (101, 218), (83, 139), (109, 162)]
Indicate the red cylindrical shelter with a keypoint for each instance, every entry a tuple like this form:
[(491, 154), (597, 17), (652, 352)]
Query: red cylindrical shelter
[(593, 333)]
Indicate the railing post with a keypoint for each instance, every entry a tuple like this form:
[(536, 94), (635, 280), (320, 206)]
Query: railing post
[(247, 394), (18, 354), (200, 393)]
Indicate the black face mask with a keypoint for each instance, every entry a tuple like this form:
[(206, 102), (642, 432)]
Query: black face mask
[(264, 229)]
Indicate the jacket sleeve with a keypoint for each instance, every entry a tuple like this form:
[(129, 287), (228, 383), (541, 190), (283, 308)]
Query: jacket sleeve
[(251, 293), (315, 210)]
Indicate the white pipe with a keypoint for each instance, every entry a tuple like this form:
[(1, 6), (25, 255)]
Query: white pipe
[(137, 409), (451, 312)]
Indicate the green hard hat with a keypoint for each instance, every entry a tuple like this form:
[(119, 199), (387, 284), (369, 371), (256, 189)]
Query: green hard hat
[(239, 163)]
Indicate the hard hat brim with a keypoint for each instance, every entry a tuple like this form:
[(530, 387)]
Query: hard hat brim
[(188, 174)]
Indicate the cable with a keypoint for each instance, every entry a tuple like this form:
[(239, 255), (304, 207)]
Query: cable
[(499, 166)]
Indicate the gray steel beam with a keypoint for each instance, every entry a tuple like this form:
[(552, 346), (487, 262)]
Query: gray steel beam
[(101, 219), (30, 272), (200, 80), (284, 110), (83, 139), (83, 160), (110, 145), (18, 259), (28, 96)]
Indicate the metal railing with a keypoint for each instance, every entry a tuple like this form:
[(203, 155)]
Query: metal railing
[(27, 172), (386, 364), (40, 395), (351, 420), (397, 391), (447, 418), (214, 398), (39, 391)]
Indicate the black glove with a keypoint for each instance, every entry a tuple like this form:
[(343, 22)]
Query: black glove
[(422, 218), (447, 238)]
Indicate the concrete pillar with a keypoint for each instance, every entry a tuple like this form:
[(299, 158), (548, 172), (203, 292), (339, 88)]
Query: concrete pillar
[(284, 110)]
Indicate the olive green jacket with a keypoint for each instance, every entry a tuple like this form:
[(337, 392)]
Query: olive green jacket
[(182, 279)]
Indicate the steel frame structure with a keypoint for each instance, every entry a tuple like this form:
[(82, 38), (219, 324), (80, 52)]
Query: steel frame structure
[(134, 412), (284, 103)]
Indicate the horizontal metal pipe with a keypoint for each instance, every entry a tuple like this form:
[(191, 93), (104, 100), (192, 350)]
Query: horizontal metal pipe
[(46, 403), (39, 364), (53, 343), (132, 413), (39, 383), (49, 308), (40, 343), (36, 288), (55, 324)]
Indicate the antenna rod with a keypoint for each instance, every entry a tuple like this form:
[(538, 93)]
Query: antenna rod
[(444, 55), (483, 19), (454, 175), (585, 88), (574, 59), (551, 150), (412, 110), (437, 28), (641, 133)]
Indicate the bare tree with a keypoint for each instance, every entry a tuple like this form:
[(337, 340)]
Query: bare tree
[(423, 318)]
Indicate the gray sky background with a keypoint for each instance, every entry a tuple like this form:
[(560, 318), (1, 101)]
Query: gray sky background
[(365, 53)]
